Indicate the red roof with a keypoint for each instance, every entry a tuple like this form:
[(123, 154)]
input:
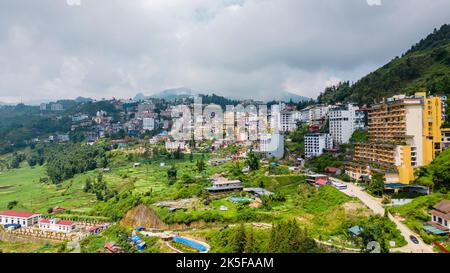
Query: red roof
[(60, 222), (321, 181), (331, 169), (58, 209), (119, 141), (14, 213), (64, 223)]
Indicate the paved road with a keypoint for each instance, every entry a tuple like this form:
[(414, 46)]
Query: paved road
[(75, 245), (375, 205)]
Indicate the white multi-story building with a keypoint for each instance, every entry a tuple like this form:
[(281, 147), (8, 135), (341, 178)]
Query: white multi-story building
[(56, 107), (314, 114), (148, 124), (146, 107), (25, 219), (361, 119), (272, 145), (445, 138), (316, 143), (343, 122), (288, 120), (58, 225)]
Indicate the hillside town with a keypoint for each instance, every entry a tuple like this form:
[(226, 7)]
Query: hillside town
[(403, 132), (248, 128), (355, 145)]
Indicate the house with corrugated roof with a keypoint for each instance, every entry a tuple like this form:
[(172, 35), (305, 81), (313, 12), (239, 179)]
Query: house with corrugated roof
[(440, 215)]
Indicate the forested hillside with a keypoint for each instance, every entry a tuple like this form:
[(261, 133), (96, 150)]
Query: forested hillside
[(426, 66)]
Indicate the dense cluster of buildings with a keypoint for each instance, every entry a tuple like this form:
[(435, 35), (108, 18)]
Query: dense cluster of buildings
[(342, 121), (404, 134), (128, 118)]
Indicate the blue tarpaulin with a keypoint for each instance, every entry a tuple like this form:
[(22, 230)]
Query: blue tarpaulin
[(190, 243)]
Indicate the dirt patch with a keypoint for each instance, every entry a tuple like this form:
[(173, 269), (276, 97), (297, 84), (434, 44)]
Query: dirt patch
[(8, 237), (399, 217), (143, 216), (356, 208), (179, 204)]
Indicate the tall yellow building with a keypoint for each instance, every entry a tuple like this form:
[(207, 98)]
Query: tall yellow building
[(404, 134)]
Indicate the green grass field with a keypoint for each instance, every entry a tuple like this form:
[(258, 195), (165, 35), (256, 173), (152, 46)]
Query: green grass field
[(22, 185), (22, 247)]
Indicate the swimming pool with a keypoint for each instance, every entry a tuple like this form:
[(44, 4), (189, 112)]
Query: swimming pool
[(240, 199), (191, 243)]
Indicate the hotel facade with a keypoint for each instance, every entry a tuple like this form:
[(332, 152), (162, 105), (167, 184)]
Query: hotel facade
[(404, 134)]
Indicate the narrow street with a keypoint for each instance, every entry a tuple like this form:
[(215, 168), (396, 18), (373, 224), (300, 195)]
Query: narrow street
[(375, 205), (75, 244)]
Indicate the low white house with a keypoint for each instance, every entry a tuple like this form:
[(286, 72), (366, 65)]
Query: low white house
[(58, 225), (174, 145), (225, 185), (440, 215), (25, 219)]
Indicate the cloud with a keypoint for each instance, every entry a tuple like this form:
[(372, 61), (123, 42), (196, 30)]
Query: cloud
[(240, 48), (374, 2)]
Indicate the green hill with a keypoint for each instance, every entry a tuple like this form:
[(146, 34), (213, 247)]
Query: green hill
[(426, 66)]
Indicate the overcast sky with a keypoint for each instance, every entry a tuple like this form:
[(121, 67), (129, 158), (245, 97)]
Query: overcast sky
[(53, 49)]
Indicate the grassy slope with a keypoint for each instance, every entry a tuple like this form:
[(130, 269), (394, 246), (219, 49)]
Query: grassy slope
[(417, 212), (21, 247), (23, 185)]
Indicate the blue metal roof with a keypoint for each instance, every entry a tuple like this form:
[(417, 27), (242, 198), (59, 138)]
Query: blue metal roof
[(356, 230), (434, 230)]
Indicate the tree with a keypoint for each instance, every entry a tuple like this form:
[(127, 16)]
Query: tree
[(32, 161), (100, 177), (253, 161), (239, 239), (12, 204), (250, 244), (172, 174), (104, 162), (374, 231), (15, 163), (359, 136), (201, 165), (288, 237), (440, 169), (88, 185), (178, 154), (376, 185), (236, 169)]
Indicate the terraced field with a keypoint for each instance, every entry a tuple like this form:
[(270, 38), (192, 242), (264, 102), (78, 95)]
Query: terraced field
[(22, 185)]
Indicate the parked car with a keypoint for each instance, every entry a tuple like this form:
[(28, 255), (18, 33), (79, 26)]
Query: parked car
[(414, 239)]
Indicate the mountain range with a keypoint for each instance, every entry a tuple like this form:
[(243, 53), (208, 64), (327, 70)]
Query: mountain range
[(180, 93)]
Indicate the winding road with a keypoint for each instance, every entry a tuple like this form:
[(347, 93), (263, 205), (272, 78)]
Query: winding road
[(375, 205)]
